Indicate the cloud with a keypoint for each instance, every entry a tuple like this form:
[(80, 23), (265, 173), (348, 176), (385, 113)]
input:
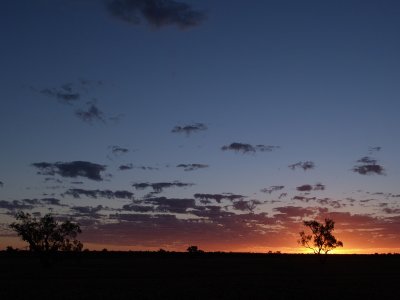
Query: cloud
[(308, 187), (304, 188), (117, 150), (125, 167), (189, 129), (304, 165), (272, 189), (1, 184), (159, 186), (304, 199), (218, 197), (28, 204), (374, 149), (88, 210), (368, 166), (171, 205), (191, 167), (14, 205), (64, 95), (71, 169), (131, 166), (244, 205), (77, 193), (391, 210), (247, 148), (158, 13), (91, 114), (138, 208)]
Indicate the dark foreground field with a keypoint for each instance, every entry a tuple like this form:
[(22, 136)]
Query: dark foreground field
[(206, 276)]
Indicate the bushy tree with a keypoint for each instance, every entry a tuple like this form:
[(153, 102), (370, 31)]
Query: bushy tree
[(46, 234), (194, 249), (321, 239)]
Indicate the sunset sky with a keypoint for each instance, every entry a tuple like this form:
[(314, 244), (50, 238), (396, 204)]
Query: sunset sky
[(222, 124)]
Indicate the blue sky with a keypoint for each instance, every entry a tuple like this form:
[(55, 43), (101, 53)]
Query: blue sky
[(318, 79)]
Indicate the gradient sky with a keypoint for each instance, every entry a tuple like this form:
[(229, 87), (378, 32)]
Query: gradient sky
[(223, 124)]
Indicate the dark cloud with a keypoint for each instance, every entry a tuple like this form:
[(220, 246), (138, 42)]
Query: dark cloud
[(304, 188), (319, 187), (158, 13), (247, 148), (191, 167), (138, 208), (244, 205), (28, 204), (282, 195), (272, 189), (1, 184), (77, 193), (15, 205), (303, 165), (159, 186), (91, 114), (71, 169), (188, 129), (125, 167), (218, 197), (368, 166), (308, 187), (131, 166), (391, 210)]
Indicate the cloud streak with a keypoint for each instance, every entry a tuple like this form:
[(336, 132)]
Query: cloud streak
[(192, 167), (159, 186), (189, 129), (307, 165), (157, 13), (247, 148), (95, 194), (71, 169)]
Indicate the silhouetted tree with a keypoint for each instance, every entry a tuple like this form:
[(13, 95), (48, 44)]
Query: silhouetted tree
[(194, 249), (46, 234), (321, 238)]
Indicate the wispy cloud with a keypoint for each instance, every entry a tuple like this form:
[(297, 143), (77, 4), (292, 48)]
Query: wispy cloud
[(131, 166), (91, 113), (77, 193), (218, 197), (307, 165), (247, 148), (159, 186), (158, 13), (71, 169), (272, 189), (191, 167), (189, 129)]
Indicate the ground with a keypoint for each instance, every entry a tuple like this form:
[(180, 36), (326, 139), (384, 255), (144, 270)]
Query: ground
[(145, 275)]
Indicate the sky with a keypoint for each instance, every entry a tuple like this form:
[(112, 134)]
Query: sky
[(222, 124)]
